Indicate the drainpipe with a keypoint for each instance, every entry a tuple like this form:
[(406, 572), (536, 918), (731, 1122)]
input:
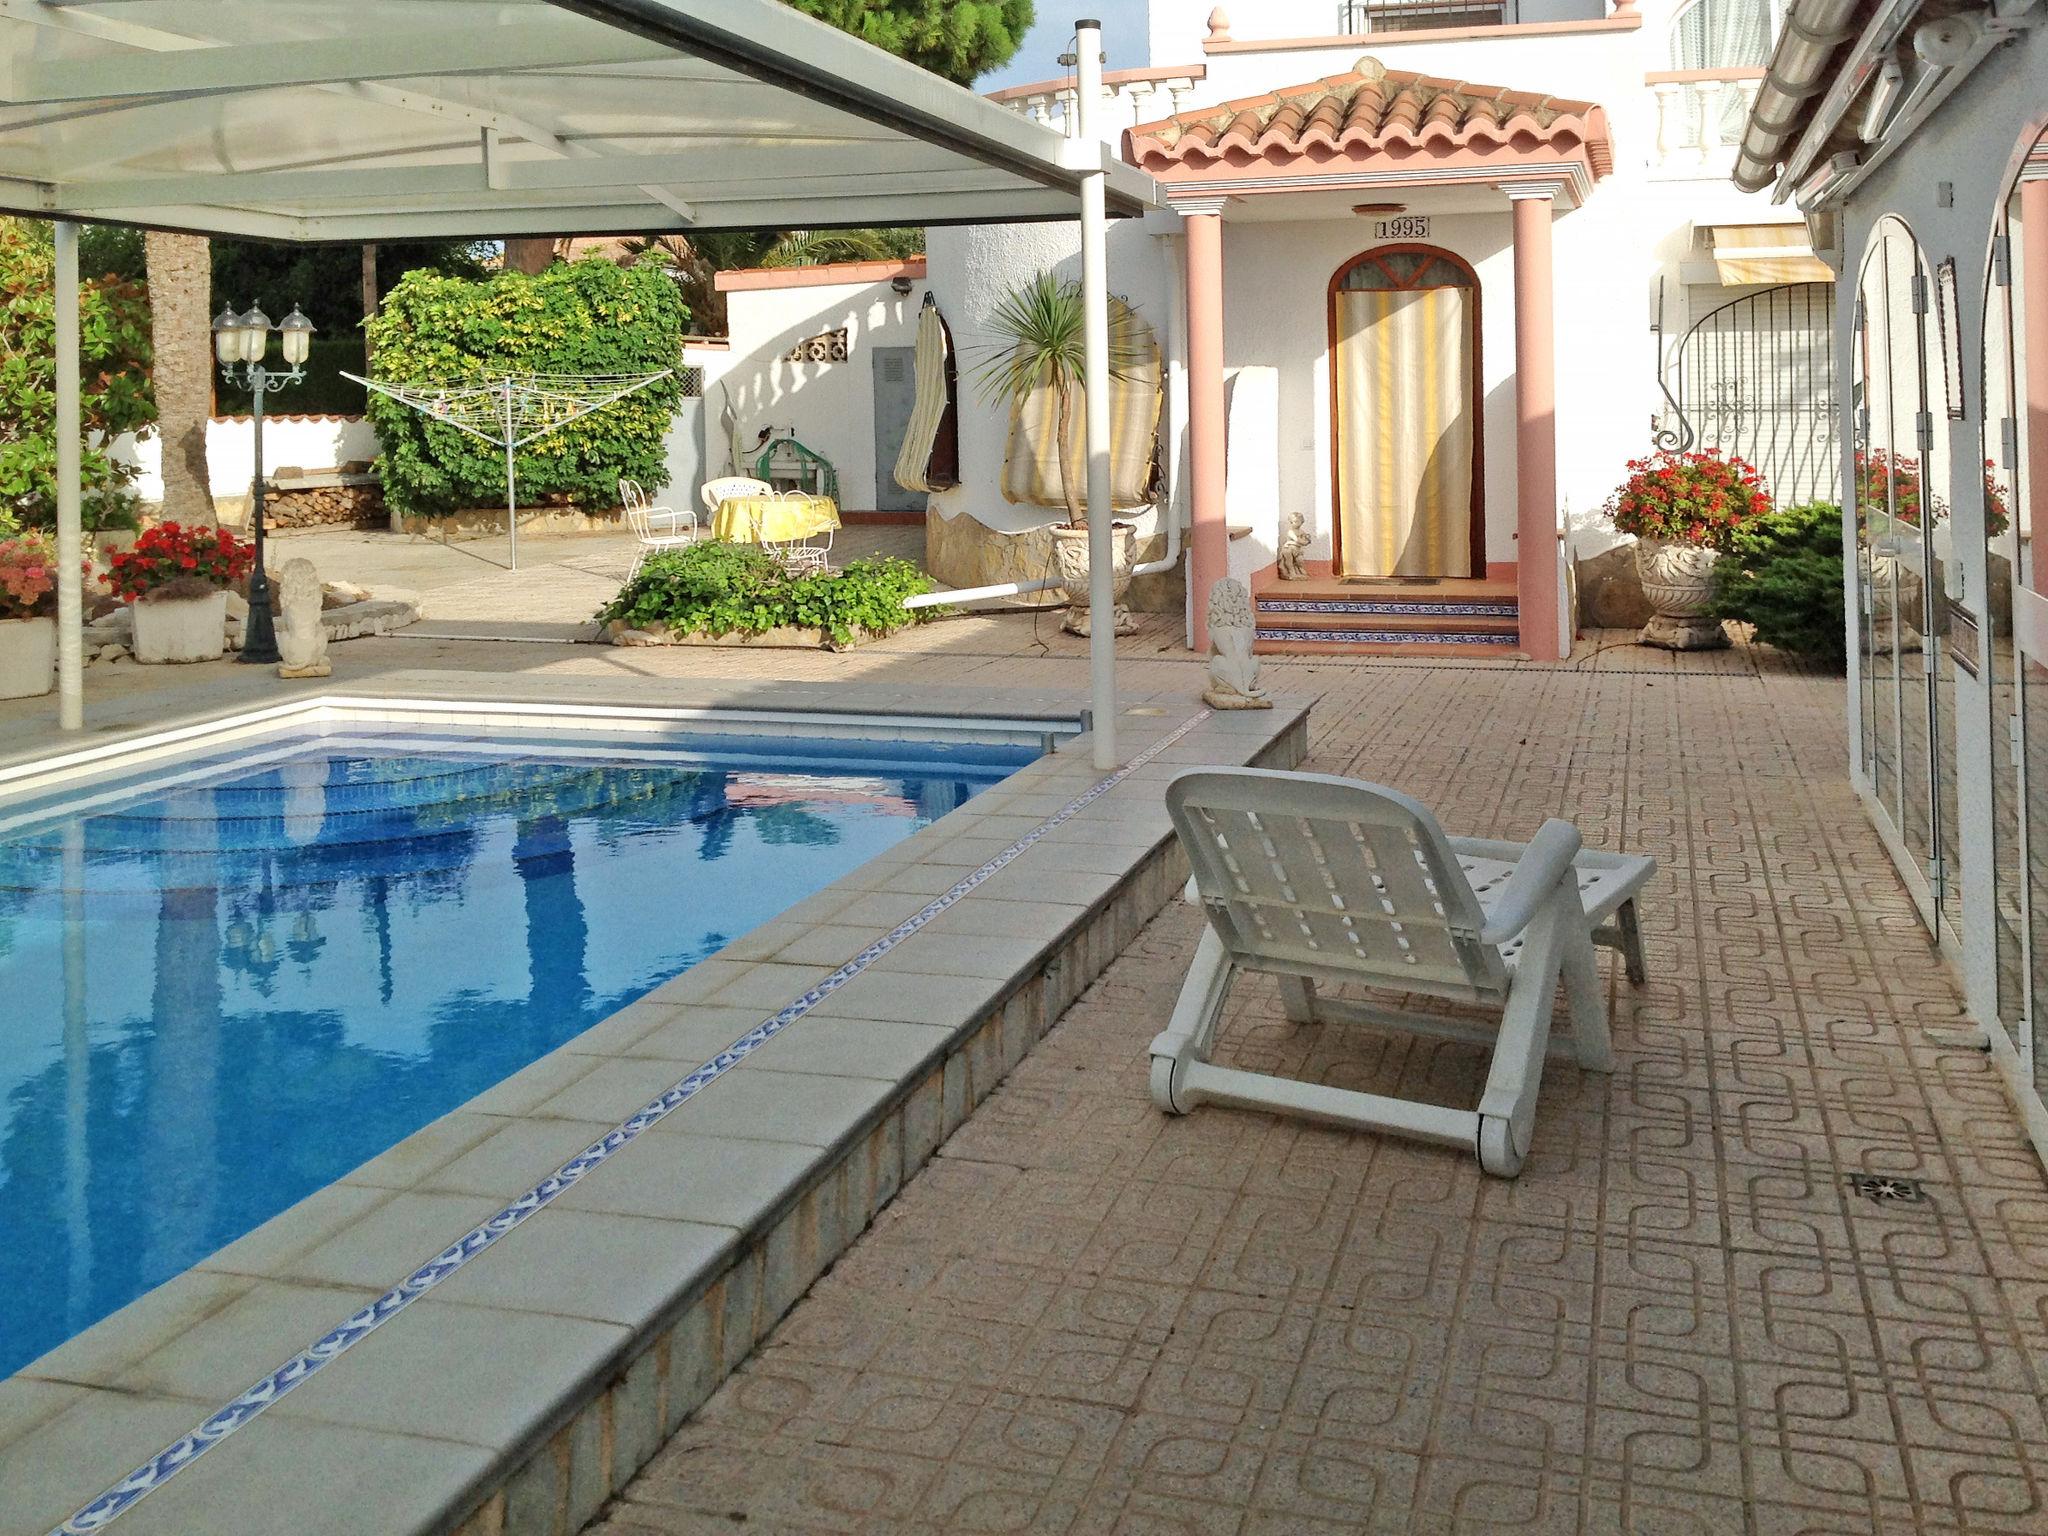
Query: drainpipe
[(1814, 29), (1175, 361)]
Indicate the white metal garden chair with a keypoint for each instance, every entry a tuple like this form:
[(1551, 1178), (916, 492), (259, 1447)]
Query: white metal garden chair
[(655, 527), (1318, 879), (801, 557)]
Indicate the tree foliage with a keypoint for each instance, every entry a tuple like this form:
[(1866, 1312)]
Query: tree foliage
[(323, 280), (1783, 573), (695, 261), (960, 39), (582, 317), (113, 349)]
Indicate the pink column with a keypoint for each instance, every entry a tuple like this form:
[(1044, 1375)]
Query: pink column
[(1536, 552), (2034, 405), (1208, 534)]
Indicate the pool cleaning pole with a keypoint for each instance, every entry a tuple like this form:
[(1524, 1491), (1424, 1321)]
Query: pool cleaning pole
[(70, 535), (1095, 383)]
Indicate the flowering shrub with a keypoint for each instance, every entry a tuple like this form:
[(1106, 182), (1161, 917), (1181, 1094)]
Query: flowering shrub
[(28, 576), (191, 561), (1880, 476), (1888, 484), (115, 394), (1997, 515), (1687, 498)]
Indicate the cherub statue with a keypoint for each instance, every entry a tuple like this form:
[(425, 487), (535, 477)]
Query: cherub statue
[(1233, 669), (301, 638), (1292, 543)]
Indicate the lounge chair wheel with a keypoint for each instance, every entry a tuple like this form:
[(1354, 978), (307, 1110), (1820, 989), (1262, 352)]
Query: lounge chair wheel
[(1498, 1154), (1164, 1069)]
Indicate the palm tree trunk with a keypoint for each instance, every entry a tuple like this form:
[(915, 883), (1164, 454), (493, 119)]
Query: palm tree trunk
[(180, 275), (529, 253), (369, 301), (1077, 515)]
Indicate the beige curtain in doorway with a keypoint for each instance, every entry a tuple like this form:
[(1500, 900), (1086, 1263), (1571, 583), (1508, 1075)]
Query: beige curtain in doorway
[(1404, 432)]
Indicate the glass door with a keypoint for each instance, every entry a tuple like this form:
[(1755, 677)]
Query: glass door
[(1898, 514), (2016, 503)]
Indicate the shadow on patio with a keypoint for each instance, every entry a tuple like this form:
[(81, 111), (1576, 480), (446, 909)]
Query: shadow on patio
[(1084, 1316)]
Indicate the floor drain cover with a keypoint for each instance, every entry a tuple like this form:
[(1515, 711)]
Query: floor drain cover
[(1888, 1188)]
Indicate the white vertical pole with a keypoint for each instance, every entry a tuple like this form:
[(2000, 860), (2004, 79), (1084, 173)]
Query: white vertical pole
[(70, 536), (1095, 378), (511, 486)]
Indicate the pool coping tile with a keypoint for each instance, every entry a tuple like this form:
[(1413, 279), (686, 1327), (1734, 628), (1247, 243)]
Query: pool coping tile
[(741, 1191)]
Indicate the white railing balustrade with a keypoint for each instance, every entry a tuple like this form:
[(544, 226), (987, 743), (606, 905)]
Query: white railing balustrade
[(1130, 97), (1700, 117)]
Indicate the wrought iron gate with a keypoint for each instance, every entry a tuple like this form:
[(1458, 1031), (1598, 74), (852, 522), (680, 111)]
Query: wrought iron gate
[(1755, 379)]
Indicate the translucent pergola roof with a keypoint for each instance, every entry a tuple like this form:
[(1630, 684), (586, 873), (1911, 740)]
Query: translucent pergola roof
[(355, 120)]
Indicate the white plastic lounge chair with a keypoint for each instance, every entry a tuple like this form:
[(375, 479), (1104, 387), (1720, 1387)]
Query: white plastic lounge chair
[(1322, 879), (725, 487), (655, 527)]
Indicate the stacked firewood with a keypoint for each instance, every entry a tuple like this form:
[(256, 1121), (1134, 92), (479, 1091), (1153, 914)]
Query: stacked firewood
[(308, 507)]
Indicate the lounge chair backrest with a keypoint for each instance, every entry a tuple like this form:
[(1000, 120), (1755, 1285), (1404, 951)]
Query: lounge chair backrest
[(1307, 873)]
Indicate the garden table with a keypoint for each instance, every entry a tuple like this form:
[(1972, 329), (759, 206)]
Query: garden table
[(774, 519)]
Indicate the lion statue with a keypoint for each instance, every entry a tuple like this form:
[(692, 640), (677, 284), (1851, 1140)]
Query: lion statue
[(301, 637), (1233, 669)]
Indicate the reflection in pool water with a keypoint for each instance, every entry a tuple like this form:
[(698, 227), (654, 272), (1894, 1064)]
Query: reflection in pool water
[(221, 993)]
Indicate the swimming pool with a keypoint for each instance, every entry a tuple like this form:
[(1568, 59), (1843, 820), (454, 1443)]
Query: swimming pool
[(227, 983)]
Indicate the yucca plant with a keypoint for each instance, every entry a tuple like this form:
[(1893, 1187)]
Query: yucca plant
[(1039, 326)]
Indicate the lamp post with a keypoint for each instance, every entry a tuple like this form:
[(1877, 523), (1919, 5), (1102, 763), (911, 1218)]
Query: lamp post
[(240, 343)]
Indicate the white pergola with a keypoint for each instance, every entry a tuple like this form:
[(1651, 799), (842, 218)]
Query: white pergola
[(365, 120)]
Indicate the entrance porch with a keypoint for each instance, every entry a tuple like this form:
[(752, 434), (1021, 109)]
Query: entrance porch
[(1370, 355)]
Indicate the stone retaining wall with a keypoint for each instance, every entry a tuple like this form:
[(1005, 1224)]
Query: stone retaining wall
[(965, 552)]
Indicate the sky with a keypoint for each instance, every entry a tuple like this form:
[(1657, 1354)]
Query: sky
[(1123, 39)]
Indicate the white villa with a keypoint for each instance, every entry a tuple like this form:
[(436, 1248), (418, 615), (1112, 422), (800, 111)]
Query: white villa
[(1431, 272)]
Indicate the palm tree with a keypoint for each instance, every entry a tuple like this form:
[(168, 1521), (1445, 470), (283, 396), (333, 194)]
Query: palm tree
[(1040, 327), (180, 275)]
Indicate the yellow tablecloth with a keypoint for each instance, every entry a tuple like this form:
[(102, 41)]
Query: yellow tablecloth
[(773, 519)]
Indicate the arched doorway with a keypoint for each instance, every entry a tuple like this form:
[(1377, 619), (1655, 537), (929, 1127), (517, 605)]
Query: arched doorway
[(1404, 356)]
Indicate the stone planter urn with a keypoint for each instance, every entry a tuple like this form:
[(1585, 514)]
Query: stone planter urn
[(1070, 546), (28, 657), (1678, 581), (181, 628)]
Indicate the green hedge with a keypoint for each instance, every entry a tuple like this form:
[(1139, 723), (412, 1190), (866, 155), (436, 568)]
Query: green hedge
[(717, 588), (584, 317), (1783, 573)]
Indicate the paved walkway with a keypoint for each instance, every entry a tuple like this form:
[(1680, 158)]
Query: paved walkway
[(1086, 1317)]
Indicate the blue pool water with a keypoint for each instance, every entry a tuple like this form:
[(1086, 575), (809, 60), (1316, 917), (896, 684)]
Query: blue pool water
[(224, 988)]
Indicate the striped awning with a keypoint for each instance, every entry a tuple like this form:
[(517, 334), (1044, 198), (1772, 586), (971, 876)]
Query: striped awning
[(1765, 253)]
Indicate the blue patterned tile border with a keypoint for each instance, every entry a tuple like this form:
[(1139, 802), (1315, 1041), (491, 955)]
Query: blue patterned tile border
[(1499, 608), (188, 1448), (1392, 636)]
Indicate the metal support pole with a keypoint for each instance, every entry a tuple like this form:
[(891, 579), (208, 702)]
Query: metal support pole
[(1095, 378), (70, 431), (259, 630), (511, 486)]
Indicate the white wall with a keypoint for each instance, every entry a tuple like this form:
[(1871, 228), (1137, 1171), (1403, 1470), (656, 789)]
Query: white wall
[(971, 270), (831, 406), (307, 442)]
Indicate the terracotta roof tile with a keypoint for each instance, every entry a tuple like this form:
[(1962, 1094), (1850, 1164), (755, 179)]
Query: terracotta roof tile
[(1373, 111)]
